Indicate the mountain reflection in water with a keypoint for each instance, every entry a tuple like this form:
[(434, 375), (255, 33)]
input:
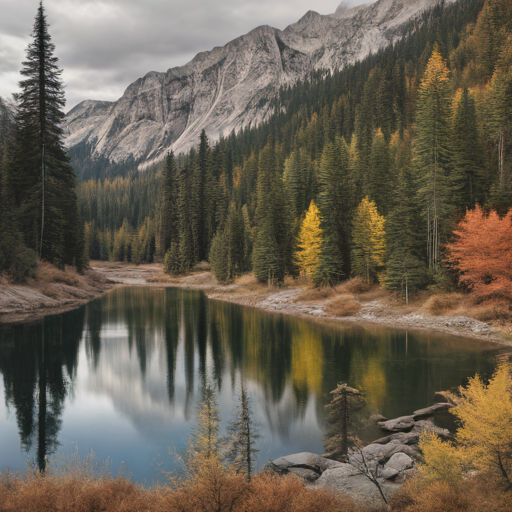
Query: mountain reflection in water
[(121, 376)]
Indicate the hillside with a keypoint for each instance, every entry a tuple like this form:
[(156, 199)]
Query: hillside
[(227, 88)]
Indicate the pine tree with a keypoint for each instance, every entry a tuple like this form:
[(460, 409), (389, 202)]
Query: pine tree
[(334, 205), (405, 267), (40, 179), (368, 241), (433, 154), (169, 205), (242, 436), (468, 163), (380, 180), (205, 434), (271, 244), (500, 125), (309, 253), (15, 258), (344, 419)]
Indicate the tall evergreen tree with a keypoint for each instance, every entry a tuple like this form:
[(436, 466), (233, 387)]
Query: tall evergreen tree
[(433, 154), (334, 205), (169, 205), (405, 268), (40, 178), (242, 437), (468, 161)]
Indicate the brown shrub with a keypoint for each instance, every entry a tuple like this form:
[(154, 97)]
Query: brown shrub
[(315, 294), (476, 494), (344, 305), (271, 493), (47, 273), (213, 488), (491, 309), (441, 304), (356, 286)]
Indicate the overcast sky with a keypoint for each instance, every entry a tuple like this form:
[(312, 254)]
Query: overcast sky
[(104, 45)]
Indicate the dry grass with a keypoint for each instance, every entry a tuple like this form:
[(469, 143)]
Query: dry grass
[(477, 494), (441, 304), (356, 286), (213, 488), (315, 294), (343, 305), (47, 273), (491, 309)]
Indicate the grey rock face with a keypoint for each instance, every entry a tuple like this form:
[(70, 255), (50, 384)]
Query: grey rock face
[(230, 87)]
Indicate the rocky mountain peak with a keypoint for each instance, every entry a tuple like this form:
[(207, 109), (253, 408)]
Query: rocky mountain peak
[(230, 87)]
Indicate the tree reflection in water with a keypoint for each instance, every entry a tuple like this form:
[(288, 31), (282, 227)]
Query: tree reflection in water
[(149, 351)]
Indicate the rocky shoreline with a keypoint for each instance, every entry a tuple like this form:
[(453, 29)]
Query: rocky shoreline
[(390, 460), (34, 300)]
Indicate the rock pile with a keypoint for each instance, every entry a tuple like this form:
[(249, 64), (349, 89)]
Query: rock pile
[(390, 459)]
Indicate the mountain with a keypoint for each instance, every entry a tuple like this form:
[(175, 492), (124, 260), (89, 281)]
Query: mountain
[(229, 87)]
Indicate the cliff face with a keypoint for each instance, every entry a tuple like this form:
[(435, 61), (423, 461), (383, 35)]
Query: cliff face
[(230, 87)]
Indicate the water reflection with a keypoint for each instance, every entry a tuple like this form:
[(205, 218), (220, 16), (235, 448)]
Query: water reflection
[(121, 375)]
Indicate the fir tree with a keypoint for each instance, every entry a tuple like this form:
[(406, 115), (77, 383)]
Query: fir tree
[(433, 154), (468, 163), (368, 241), (242, 436), (41, 181), (344, 419), (270, 246), (334, 206), (169, 205), (205, 434), (405, 268)]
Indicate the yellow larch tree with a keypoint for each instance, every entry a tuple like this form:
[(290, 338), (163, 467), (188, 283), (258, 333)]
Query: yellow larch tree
[(368, 241), (309, 253)]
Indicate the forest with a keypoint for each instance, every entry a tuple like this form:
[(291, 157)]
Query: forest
[(368, 171), (365, 172)]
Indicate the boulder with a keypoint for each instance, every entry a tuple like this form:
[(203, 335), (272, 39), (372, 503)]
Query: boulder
[(348, 480), (400, 461), (402, 424), (433, 409), (307, 460), (408, 438), (389, 473)]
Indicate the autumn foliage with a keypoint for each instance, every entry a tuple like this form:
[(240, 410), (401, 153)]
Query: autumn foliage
[(482, 253)]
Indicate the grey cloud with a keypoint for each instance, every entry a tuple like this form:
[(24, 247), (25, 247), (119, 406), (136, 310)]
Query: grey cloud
[(104, 45)]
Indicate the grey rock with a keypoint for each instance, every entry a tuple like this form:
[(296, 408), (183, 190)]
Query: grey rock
[(230, 87), (433, 409), (400, 461), (403, 423), (355, 485), (306, 474), (389, 473), (306, 459)]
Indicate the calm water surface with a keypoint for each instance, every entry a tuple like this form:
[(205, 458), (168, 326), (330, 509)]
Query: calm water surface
[(122, 375)]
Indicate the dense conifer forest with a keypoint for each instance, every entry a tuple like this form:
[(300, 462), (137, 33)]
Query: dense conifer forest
[(365, 171), (385, 156)]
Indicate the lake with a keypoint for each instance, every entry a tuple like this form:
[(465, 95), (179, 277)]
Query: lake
[(122, 375)]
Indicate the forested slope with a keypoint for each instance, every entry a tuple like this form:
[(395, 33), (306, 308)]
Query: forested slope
[(392, 150)]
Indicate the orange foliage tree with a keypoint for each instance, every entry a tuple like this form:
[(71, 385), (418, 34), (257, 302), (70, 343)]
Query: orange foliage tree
[(482, 252)]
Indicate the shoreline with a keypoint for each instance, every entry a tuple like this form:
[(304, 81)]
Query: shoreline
[(35, 300), (375, 307), (52, 292)]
